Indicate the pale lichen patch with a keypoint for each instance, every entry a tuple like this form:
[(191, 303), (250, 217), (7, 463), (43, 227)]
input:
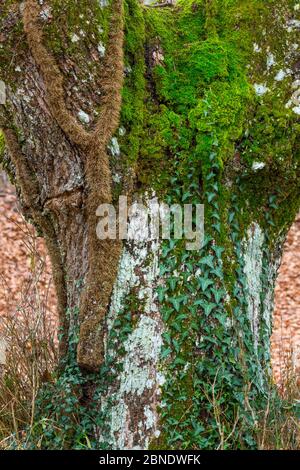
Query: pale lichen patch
[(114, 147), (75, 38), (270, 60), (256, 47), (281, 74), (141, 376), (83, 117), (258, 166), (101, 49), (253, 256), (260, 89)]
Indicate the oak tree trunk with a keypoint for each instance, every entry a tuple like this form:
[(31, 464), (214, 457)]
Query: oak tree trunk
[(196, 102)]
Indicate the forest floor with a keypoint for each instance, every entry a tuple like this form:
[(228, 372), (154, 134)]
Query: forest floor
[(286, 327), (26, 283)]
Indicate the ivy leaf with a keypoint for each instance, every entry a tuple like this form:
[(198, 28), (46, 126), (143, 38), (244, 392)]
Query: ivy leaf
[(173, 282), (218, 294), (176, 302), (198, 428), (231, 217), (236, 291), (210, 176), (166, 352), (222, 318), (207, 239), (210, 196), (208, 261), (167, 337), (189, 267), (211, 340), (176, 345), (186, 196), (181, 317), (205, 283), (166, 313), (161, 291), (218, 250), (217, 227), (218, 272), (215, 215), (179, 361), (207, 306)]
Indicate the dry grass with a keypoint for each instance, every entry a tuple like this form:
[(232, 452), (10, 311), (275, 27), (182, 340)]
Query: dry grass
[(31, 350), (275, 427), (279, 427)]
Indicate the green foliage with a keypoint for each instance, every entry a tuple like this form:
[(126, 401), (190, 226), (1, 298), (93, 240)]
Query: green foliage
[(62, 418)]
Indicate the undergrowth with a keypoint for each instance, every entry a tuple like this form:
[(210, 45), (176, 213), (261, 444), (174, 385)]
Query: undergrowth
[(28, 336)]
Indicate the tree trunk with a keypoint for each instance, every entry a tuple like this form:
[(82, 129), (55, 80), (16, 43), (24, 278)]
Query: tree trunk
[(197, 103)]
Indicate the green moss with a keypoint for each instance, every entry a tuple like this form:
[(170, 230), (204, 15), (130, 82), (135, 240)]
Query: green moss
[(132, 113), (91, 26)]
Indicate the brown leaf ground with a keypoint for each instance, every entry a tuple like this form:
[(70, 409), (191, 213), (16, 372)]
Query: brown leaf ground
[(286, 331)]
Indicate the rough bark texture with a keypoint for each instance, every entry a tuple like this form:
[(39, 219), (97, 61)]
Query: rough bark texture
[(209, 115), (84, 179)]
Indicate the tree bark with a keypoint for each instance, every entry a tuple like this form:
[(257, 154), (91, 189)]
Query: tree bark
[(172, 346)]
